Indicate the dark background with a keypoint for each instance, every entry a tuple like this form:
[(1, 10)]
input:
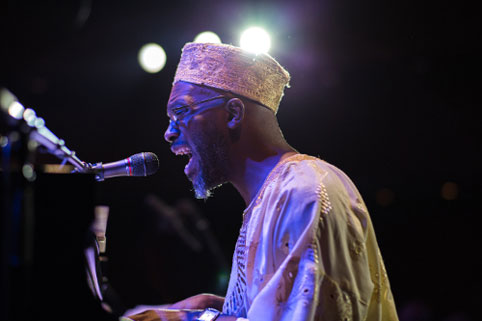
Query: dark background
[(387, 91)]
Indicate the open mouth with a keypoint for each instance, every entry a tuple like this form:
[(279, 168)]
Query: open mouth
[(185, 151)]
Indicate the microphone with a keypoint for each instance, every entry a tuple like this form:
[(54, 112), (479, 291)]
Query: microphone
[(141, 164)]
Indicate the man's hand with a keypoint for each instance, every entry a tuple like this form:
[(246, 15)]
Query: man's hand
[(172, 315), (186, 310), (223, 317), (200, 301)]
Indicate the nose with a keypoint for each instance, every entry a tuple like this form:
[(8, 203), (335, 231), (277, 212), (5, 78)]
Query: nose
[(172, 132)]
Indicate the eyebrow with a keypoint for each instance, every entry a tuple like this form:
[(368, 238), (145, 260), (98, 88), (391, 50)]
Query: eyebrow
[(176, 104)]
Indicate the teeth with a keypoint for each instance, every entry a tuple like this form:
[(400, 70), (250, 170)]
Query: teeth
[(183, 151)]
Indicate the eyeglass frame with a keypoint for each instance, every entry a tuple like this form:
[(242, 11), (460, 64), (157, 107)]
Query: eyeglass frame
[(177, 119)]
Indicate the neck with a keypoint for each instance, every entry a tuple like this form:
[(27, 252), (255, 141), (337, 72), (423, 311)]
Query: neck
[(253, 171)]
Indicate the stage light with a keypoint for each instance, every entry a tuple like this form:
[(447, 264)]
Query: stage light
[(29, 116), (207, 37), (28, 172), (3, 141), (16, 110), (39, 122), (255, 40), (152, 57)]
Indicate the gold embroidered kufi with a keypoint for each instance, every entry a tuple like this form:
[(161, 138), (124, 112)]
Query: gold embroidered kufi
[(255, 76)]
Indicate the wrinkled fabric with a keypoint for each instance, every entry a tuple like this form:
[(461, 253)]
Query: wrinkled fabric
[(307, 250)]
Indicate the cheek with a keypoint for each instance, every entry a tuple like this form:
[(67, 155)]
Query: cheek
[(194, 135), (191, 121), (200, 126), (204, 130)]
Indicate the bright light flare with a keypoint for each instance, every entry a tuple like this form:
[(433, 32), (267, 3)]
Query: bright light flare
[(152, 58), (255, 40), (16, 110), (29, 116), (207, 37)]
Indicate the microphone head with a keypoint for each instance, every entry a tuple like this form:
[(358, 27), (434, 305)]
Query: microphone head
[(144, 164)]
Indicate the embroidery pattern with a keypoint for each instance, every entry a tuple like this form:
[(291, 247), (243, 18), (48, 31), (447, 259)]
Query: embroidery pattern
[(325, 203), (234, 303)]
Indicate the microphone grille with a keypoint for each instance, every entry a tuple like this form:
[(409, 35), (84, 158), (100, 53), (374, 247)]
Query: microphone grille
[(144, 164)]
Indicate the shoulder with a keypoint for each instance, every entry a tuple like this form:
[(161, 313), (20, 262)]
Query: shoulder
[(295, 189), (304, 175), (307, 181), (303, 183)]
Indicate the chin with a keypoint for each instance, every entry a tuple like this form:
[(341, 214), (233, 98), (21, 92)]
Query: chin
[(208, 171), (202, 189), (202, 192)]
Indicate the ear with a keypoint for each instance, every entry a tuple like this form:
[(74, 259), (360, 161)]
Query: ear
[(236, 109)]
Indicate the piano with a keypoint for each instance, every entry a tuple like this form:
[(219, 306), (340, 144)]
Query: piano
[(46, 234)]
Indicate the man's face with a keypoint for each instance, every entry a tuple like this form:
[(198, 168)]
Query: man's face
[(196, 130)]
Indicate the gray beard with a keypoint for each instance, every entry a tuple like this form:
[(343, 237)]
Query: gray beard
[(201, 189), (213, 166)]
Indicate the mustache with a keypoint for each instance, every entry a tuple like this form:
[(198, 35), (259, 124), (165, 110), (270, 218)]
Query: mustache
[(179, 144)]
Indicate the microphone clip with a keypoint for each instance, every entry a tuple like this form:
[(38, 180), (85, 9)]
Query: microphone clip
[(89, 168)]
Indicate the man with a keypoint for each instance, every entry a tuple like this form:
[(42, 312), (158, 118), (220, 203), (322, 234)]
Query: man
[(307, 248)]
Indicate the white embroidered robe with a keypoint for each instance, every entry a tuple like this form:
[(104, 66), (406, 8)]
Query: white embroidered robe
[(307, 250)]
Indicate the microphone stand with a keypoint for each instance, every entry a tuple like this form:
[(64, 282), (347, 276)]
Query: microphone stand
[(44, 137), (22, 133), (25, 121)]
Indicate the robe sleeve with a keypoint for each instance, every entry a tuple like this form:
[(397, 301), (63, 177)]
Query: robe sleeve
[(321, 264)]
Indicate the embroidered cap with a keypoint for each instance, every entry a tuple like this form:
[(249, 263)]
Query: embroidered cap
[(255, 76)]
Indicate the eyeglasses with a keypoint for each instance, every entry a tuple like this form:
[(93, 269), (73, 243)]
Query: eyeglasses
[(179, 113)]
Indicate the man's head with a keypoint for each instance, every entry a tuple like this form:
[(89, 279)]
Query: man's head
[(221, 98)]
